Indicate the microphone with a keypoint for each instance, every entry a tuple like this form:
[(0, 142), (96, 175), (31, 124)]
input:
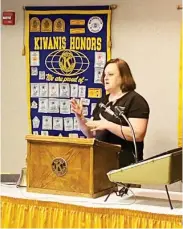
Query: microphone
[(120, 111), (107, 110)]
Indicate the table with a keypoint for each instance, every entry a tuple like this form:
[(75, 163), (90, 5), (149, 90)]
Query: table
[(142, 208)]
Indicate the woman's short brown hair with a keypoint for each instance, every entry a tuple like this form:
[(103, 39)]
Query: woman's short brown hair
[(128, 83)]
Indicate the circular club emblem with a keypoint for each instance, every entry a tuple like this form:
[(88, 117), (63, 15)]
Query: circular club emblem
[(95, 24), (67, 62), (59, 166)]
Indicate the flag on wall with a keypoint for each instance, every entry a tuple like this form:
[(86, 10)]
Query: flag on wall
[(180, 93), (66, 50)]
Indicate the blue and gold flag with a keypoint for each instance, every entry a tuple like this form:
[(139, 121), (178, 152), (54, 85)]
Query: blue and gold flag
[(66, 50)]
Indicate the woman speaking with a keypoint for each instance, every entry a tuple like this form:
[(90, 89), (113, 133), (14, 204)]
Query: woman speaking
[(120, 85)]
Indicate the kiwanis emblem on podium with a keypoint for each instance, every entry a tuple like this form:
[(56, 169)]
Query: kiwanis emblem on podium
[(59, 166)]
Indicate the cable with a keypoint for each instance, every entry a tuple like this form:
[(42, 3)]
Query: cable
[(133, 136), (121, 113), (72, 201), (8, 184), (122, 129)]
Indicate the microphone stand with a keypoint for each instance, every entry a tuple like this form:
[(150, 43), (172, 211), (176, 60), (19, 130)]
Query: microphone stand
[(125, 189)]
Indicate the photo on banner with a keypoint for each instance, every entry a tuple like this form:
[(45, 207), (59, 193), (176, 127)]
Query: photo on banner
[(66, 51)]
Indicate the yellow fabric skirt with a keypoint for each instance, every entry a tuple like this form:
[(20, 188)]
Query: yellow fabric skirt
[(26, 213)]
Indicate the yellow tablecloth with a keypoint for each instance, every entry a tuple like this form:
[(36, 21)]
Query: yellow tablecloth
[(28, 213)]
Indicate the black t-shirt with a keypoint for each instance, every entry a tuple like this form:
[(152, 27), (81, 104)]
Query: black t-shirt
[(135, 106)]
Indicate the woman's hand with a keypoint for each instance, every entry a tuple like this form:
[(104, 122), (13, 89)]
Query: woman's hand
[(101, 124), (77, 108)]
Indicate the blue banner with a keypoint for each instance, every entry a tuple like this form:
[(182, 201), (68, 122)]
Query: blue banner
[(66, 50)]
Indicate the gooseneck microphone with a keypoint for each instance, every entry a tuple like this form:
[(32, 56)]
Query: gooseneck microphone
[(120, 111), (107, 110)]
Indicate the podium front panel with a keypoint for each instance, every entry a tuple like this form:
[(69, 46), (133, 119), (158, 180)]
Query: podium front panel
[(70, 166)]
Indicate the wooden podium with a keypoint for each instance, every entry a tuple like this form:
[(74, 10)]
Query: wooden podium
[(70, 166)]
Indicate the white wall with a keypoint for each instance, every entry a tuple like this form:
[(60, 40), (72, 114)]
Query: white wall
[(144, 32)]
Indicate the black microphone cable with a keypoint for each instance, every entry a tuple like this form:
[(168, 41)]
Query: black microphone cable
[(121, 113), (121, 125)]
